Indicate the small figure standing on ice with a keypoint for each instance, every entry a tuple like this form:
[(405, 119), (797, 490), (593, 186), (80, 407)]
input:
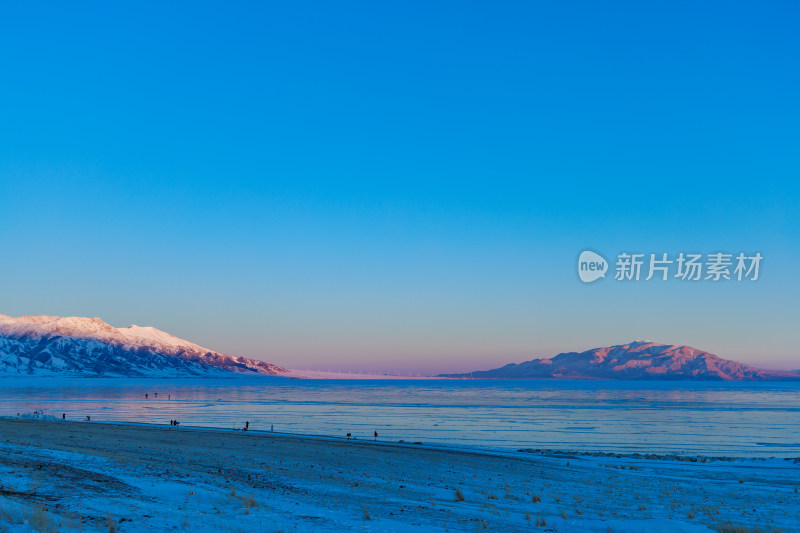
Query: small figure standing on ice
[(376, 436), (88, 418), (247, 425), (146, 396), (63, 416)]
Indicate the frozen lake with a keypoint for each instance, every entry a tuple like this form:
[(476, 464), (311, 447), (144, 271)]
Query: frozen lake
[(708, 418)]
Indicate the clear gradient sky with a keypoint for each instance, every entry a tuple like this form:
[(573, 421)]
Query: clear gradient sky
[(401, 186)]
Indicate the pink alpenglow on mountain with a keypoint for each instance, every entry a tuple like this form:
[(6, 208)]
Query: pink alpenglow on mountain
[(636, 360), (52, 345)]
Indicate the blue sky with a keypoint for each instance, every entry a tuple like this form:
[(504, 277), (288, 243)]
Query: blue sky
[(395, 186)]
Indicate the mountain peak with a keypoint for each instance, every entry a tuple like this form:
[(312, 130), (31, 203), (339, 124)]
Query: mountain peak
[(635, 360), (79, 345)]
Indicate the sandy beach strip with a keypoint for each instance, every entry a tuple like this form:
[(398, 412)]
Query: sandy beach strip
[(87, 476)]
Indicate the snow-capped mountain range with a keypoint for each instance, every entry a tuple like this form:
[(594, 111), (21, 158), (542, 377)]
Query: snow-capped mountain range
[(52, 345), (635, 360), (76, 346)]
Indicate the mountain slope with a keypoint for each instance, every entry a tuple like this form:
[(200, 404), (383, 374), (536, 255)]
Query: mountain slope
[(51, 345), (636, 360)]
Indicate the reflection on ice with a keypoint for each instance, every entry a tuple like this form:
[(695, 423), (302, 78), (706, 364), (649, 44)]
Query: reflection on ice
[(733, 419)]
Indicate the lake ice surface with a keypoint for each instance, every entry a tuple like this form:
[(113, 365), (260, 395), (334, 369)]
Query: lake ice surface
[(739, 419)]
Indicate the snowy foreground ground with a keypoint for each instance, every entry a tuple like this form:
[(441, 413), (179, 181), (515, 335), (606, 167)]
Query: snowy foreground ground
[(65, 476)]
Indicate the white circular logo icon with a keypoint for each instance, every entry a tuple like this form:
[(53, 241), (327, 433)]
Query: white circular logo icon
[(591, 266)]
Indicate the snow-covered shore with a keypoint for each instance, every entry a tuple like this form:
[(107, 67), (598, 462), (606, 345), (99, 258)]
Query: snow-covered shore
[(65, 476)]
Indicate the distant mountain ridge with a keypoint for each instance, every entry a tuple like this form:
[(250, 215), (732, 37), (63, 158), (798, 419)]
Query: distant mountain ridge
[(635, 360), (52, 345)]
